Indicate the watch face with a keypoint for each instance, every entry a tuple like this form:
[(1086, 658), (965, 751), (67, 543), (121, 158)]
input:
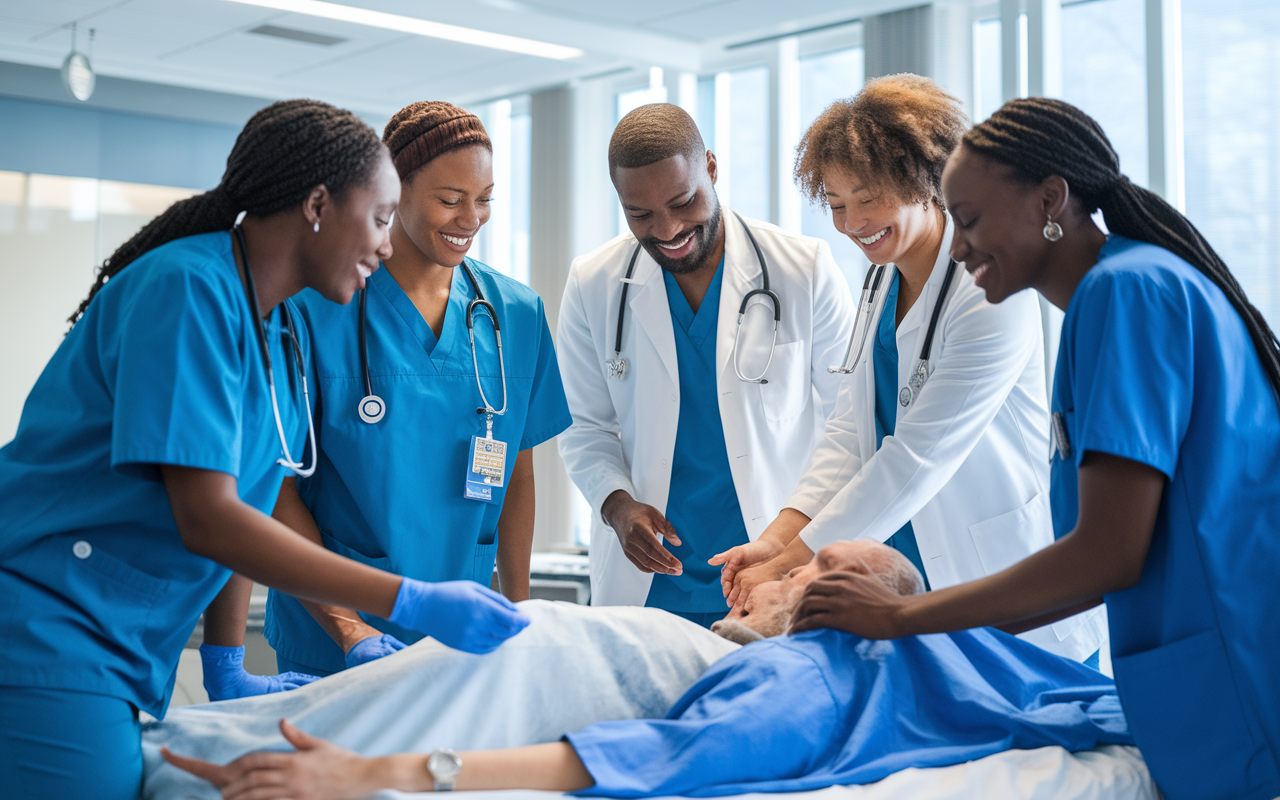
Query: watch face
[(444, 765)]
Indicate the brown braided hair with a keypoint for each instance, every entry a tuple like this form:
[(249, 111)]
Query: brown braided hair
[(422, 131), (284, 152), (1038, 137)]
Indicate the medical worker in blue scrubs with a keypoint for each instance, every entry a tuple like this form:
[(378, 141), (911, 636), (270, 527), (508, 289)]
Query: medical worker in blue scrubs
[(153, 446), (1166, 469), (398, 492)]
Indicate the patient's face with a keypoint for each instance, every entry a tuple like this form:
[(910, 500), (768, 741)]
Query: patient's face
[(769, 606)]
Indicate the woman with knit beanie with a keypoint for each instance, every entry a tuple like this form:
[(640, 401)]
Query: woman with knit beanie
[(425, 425)]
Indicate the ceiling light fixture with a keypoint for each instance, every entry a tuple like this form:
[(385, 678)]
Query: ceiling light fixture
[(77, 71), (422, 27)]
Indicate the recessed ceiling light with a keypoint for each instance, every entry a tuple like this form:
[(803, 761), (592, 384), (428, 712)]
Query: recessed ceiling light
[(293, 34), (422, 27)]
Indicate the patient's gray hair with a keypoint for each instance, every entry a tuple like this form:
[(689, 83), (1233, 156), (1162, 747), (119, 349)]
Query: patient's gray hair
[(899, 574)]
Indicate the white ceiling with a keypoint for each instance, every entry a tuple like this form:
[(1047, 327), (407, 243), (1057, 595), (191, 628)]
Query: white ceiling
[(205, 44)]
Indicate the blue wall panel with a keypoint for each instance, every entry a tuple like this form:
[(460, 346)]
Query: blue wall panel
[(58, 139)]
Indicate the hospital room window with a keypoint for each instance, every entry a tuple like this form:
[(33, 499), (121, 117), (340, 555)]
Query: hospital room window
[(1231, 97), (741, 143), (988, 94), (503, 243), (824, 78), (1104, 73)]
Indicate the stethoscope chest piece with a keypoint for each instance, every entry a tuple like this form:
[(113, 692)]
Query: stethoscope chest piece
[(617, 368), (372, 408)]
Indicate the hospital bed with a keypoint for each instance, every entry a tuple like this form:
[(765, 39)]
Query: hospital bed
[(573, 666)]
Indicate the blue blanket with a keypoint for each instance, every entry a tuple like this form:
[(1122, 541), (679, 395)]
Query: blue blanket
[(828, 708)]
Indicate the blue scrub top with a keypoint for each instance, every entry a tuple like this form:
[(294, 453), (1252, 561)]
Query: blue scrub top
[(702, 504), (97, 592), (1157, 367), (390, 494), (885, 359)]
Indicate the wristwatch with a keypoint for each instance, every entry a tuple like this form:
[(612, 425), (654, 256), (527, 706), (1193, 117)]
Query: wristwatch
[(444, 766)]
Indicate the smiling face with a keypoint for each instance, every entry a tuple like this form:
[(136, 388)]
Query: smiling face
[(885, 228), (769, 606), (354, 235), (999, 225), (672, 208), (445, 202)]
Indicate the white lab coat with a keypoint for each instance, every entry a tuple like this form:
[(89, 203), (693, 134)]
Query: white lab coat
[(968, 462), (624, 431)]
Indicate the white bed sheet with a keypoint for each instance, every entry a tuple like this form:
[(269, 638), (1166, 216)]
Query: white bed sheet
[(573, 666)]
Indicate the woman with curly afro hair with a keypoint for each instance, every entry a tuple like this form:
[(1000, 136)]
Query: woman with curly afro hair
[(937, 446)]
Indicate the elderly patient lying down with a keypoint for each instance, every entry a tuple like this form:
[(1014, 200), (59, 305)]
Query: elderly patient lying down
[(783, 714)]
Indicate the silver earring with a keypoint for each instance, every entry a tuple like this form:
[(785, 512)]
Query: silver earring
[(1052, 230), (316, 228)]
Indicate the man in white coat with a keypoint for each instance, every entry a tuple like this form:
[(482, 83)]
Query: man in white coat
[(697, 400)]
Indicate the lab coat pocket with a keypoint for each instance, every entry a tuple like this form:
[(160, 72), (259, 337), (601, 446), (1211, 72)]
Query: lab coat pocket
[(789, 386), (1004, 540), (1187, 718)]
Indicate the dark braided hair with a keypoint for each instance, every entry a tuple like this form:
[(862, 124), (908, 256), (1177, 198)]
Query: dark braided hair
[(1038, 137), (285, 150)]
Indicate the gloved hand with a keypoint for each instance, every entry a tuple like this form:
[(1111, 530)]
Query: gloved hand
[(462, 614), (372, 649), (225, 678)]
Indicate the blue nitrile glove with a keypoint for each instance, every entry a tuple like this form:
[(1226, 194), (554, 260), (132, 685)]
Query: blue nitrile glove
[(462, 614), (372, 649), (225, 678)]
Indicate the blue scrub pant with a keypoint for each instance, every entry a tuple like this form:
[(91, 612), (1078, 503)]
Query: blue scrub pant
[(61, 744)]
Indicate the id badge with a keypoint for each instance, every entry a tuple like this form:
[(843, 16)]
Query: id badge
[(487, 468)]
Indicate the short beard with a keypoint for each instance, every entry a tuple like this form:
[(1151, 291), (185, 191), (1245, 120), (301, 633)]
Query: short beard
[(704, 238)]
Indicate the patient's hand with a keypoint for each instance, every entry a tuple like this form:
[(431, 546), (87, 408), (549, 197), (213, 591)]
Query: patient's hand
[(849, 601), (319, 770)]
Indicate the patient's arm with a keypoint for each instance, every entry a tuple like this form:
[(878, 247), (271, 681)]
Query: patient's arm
[(320, 770), (342, 624)]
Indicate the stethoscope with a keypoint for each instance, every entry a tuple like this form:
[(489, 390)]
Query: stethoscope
[(261, 330), (862, 323), (372, 408), (617, 366)]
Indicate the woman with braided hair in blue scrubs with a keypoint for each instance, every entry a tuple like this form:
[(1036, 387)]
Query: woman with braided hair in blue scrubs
[(153, 447), (401, 375), (1166, 471)]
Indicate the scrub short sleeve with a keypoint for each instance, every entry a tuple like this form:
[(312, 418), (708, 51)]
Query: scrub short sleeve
[(548, 408), (179, 377), (1131, 369)]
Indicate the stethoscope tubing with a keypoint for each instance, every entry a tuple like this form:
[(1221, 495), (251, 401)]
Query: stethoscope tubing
[(764, 291), (372, 408), (863, 320), (261, 331)]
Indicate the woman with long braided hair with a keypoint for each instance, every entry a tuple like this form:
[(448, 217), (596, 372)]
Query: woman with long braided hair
[(1166, 470), (148, 456)]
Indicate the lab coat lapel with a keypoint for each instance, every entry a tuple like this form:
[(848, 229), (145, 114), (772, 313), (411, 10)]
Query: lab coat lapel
[(864, 376), (648, 306)]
